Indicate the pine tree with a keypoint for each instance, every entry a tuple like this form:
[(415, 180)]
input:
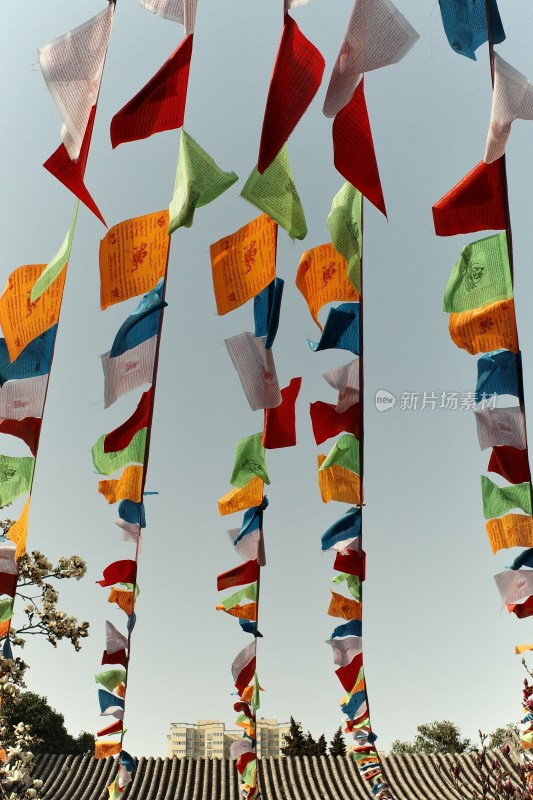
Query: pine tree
[(321, 745), (310, 745), (337, 746), (295, 741)]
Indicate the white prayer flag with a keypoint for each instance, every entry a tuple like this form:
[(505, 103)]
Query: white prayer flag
[(242, 659), (515, 585), (23, 398), (512, 98), (346, 380), (377, 36), (8, 565), (345, 650), (114, 640), (256, 369), (497, 427), (126, 372), (183, 11), (239, 747), (251, 546)]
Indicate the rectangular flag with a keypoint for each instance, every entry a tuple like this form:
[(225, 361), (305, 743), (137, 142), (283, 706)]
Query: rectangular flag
[(256, 369), (132, 369), (15, 477), (481, 276), (322, 278)]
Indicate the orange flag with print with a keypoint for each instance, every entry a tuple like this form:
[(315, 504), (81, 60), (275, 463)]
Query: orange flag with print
[(247, 611), (338, 483), (104, 748), (512, 530), (123, 598), (244, 263), (344, 607), (19, 531), (133, 257), (491, 327), (21, 320), (127, 487), (322, 278), (240, 499)]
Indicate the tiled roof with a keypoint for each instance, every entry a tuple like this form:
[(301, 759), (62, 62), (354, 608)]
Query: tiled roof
[(410, 777)]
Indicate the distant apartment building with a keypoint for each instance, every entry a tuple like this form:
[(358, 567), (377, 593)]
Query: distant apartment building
[(209, 738)]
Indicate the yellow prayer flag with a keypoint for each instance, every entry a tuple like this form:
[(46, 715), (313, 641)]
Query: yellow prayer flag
[(127, 487), (322, 278), (240, 499), (344, 607), (491, 327), (3, 755), (247, 693), (21, 320), (133, 257), (19, 531), (123, 598), (523, 648), (247, 611), (244, 263), (338, 483), (4, 628), (121, 690), (104, 748), (512, 530)]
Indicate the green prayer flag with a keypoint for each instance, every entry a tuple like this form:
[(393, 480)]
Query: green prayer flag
[(256, 695), (249, 461), (352, 582), (106, 463), (129, 587), (248, 776), (344, 453), (481, 276), (15, 477), (6, 609), (274, 193), (498, 501), (249, 592), (344, 223), (199, 181), (57, 264), (111, 678)]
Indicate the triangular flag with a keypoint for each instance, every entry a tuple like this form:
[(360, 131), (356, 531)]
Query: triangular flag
[(474, 204), (160, 104), (19, 531), (57, 264), (198, 182), (353, 149), (275, 193), (27, 429), (295, 80)]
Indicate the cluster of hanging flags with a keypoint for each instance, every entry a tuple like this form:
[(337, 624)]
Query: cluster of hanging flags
[(479, 300)]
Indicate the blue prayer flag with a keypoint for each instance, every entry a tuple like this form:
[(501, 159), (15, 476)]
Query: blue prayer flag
[(128, 510), (33, 361), (267, 307), (497, 373), (341, 330), (352, 628), (347, 527), (465, 24), (142, 324), (107, 700), (355, 702)]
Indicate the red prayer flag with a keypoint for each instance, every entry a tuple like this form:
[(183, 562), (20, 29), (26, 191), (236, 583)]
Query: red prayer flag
[(27, 429), (348, 674), (244, 759), (280, 422), (245, 676), (295, 80), (353, 149), (115, 727), (510, 463), (474, 204), (327, 422), (158, 106), (118, 657), (244, 573), (121, 437), (353, 563), (243, 708), (8, 583), (71, 173), (522, 610), (119, 572)]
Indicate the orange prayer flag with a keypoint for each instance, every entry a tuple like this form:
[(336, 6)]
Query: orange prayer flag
[(21, 320), (247, 693), (3, 755), (104, 749), (344, 607), (240, 499), (127, 487), (491, 327), (19, 531), (123, 598), (244, 263), (523, 648), (121, 690), (322, 278), (512, 530), (247, 611), (338, 483), (4, 628), (133, 257)]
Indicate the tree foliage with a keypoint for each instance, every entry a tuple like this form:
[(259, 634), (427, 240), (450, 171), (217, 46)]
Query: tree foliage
[(337, 746), (47, 725), (295, 741), (435, 737)]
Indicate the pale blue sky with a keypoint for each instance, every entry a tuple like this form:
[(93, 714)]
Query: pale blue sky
[(436, 643)]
